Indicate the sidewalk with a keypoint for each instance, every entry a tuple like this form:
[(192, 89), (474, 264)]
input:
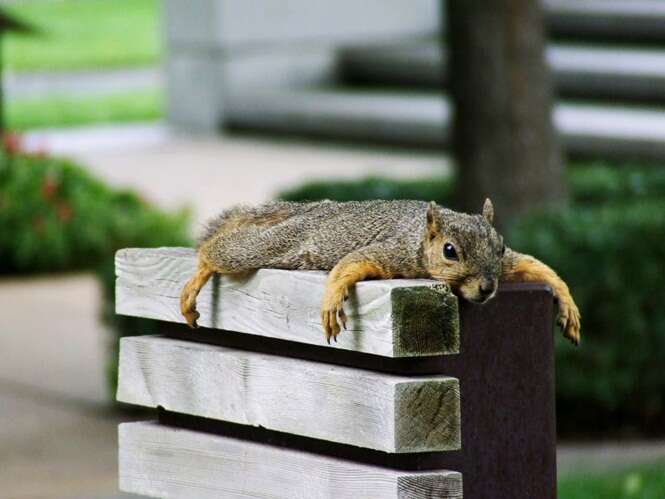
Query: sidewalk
[(209, 174), (591, 457), (57, 437), (36, 85)]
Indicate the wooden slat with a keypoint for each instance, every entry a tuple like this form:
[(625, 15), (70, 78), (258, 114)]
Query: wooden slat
[(339, 404), (392, 318), (162, 461)]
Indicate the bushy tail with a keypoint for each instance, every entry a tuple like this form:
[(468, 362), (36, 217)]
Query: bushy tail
[(212, 226), (265, 214)]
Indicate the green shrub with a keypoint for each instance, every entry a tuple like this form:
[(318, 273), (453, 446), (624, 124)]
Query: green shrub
[(589, 184), (612, 257), (600, 182), (438, 189), (609, 247), (54, 216)]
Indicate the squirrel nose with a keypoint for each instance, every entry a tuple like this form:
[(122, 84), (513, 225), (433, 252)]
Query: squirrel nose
[(486, 287)]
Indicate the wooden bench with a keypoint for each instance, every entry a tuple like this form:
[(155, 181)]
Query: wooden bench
[(419, 392)]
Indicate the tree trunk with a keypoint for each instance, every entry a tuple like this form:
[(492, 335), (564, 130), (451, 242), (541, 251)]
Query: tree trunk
[(504, 140)]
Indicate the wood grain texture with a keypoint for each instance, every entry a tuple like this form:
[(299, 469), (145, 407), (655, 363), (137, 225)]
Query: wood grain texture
[(352, 406), (392, 318), (162, 461)]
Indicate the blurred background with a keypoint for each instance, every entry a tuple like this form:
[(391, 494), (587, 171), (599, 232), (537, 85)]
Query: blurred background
[(129, 122)]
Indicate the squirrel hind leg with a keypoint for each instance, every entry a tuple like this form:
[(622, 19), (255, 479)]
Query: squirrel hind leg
[(191, 291)]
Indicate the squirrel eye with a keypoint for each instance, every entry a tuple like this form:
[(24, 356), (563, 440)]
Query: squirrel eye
[(449, 252)]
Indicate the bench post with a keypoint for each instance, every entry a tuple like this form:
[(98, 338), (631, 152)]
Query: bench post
[(506, 375)]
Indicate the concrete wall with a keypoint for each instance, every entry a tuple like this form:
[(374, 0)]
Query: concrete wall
[(215, 48)]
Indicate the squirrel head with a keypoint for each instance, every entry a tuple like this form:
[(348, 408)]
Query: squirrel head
[(464, 251)]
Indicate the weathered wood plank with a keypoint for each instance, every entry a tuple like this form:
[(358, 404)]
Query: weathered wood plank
[(392, 318), (162, 461), (352, 406)]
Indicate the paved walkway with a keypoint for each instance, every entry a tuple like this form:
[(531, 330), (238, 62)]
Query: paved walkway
[(212, 173), (591, 457), (57, 437), (81, 83)]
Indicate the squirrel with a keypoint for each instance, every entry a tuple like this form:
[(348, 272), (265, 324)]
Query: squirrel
[(359, 240)]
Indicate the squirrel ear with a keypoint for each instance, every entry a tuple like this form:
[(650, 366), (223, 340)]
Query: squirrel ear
[(488, 211), (432, 220)]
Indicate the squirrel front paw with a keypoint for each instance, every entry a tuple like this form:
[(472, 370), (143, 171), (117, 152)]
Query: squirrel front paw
[(331, 309), (569, 319), (188, 305)]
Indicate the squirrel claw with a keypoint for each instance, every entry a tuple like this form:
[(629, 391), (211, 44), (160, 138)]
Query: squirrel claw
[(329, 321), (188, 305), (191, 317), (332, 312), (569, 321), (342, 318)]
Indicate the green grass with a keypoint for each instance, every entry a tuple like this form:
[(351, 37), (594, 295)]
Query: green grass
[(144, 105), (639, 482), (79, 34)]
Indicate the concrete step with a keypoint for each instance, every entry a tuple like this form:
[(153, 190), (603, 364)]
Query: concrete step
[(632, 21), (585, 71), (422, 119)]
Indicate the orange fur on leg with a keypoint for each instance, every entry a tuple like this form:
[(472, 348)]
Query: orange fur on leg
[(341, 278), (524, 268), (191, 291)]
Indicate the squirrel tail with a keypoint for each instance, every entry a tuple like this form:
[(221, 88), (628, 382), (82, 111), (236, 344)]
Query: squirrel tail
[(267, 214)]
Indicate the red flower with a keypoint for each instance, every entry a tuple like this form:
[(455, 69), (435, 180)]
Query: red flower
[(50, 187), (64, 212), (12, 143)]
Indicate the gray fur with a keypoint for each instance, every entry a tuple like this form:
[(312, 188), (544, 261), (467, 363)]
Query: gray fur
[(317, 235)]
